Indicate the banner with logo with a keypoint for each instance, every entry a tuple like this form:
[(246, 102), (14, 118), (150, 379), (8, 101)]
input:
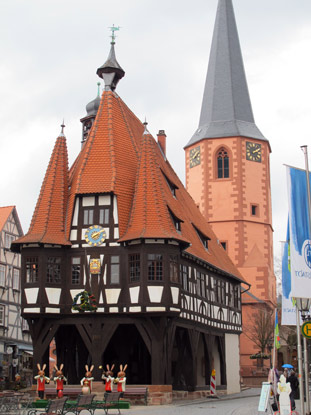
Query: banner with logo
[(288, 307), (300, 244)]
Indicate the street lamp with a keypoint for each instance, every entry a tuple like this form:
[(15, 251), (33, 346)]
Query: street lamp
[(303, 305)]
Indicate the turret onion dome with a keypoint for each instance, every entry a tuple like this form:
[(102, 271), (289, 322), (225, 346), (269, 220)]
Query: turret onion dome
[(92, 106)]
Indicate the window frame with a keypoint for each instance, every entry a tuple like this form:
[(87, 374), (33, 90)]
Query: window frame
[(134, 267), (2, 315), (76, 269), (54, 270), (222, 171), (16, 274), (88, 216), (113, 267), (2, 275), (155, 262), (8, 239), (34, 271), (174, 268)]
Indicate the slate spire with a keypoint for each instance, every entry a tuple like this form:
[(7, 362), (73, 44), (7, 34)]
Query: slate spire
[(226, 108)]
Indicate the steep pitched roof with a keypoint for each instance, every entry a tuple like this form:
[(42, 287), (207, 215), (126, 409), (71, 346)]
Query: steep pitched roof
[(150, 215), (154, 203), (48, 221), (108, 159), (5, 212), (226, 108)]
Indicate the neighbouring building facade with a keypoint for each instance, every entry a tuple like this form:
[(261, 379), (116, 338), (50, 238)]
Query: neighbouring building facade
[(119, 230), (228, 174), (15, 339)]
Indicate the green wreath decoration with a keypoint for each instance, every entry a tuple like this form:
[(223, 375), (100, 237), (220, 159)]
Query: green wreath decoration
[(87, 302)]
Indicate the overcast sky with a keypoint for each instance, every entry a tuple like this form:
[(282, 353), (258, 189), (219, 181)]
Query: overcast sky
[(50, 51)]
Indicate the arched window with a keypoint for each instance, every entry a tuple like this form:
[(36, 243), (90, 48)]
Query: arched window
[(222, 164)]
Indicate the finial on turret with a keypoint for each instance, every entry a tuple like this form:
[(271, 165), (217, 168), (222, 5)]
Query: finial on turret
[(62, 134), (146, 129), (113, 29), (98, 89), (111, 72)]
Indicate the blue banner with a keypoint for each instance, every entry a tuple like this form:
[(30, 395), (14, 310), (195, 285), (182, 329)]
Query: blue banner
[(300, 244)]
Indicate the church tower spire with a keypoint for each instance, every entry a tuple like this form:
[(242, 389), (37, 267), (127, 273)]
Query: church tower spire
[(228, 172), (226, 108)]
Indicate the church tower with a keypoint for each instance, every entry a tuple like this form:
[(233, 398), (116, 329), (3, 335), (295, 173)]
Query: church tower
[(228, 170)]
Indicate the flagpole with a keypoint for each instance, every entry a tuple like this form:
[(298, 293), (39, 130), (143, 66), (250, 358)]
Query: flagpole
[(305, 152), (273, 358), (300, 370)]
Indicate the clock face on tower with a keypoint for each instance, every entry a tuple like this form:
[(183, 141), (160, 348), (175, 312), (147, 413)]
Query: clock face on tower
[(195, 156), (253, 151), (95, 235)]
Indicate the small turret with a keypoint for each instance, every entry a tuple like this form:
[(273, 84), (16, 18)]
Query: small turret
[(111, 72), (91, 111)]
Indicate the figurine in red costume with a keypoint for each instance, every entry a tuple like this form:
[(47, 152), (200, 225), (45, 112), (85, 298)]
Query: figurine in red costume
[(86, 382), (59, 379), (41, 380), (121, 379), (108, 378)]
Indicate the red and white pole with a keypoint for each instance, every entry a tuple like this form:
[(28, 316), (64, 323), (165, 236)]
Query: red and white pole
[(213, 383)]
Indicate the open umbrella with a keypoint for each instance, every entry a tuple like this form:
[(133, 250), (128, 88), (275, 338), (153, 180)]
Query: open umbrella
[(288, 366)]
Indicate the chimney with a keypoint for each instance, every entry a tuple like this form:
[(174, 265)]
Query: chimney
[(162, 141)]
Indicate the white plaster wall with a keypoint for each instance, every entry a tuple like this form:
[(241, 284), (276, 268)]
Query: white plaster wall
[(76, 213), (155, 293), (112, 295), (175, 294), (134, 293), (31, 295), (104, 200), (115, 210), (53, 295), (88, 201), (232, 353)]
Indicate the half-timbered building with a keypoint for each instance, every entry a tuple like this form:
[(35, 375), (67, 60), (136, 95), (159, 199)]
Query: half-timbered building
[(15, 338), (120, 225)]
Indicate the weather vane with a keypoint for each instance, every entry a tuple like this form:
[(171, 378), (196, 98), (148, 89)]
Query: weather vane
[(113, 29)]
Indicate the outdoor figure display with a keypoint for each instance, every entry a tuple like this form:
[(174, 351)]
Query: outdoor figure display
[(41, 380), (108, 378), (86, 382), (121, 379), (284, 390), (59, 379)]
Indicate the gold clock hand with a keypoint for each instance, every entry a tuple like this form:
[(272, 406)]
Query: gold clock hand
[(256, 151)]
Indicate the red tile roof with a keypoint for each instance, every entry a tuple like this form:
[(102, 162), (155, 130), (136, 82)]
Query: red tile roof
[(5, 212), (108, 159), (150, 216), (48, 221), (117, 157)]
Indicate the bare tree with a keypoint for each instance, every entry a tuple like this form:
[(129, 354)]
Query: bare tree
[(261, 330)]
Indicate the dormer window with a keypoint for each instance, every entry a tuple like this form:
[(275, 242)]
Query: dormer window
[(88, 217), (171, 185), (204, 239), (176, 221)]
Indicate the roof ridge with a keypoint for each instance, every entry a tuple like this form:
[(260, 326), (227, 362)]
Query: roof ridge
[(111, 140), (119, 100)]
